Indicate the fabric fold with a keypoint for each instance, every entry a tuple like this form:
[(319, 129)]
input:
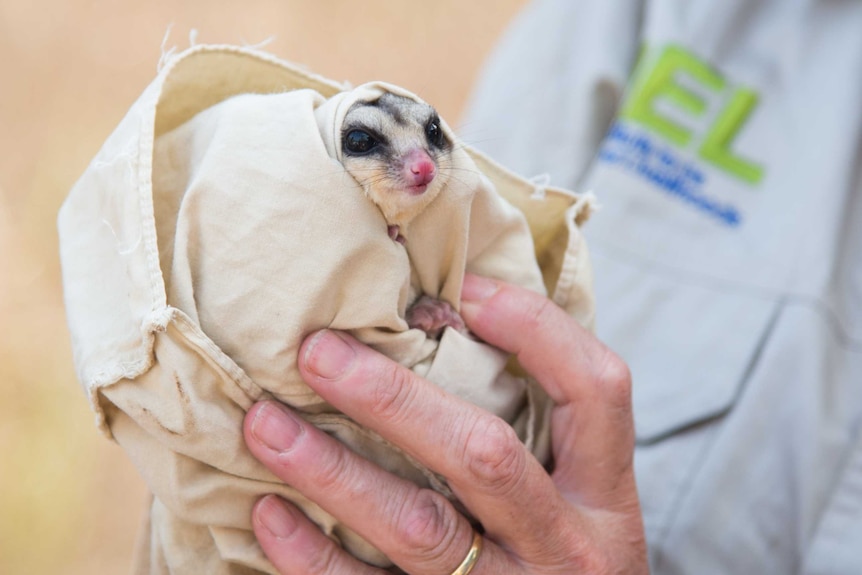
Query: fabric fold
[(225, 230)]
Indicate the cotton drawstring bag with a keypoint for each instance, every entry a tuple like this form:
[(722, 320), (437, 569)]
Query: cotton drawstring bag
[(217, 228)]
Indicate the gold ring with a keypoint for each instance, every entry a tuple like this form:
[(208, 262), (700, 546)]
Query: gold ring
[(472, 556)]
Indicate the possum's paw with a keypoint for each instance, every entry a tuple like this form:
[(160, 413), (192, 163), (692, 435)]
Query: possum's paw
[(432, 315), (395, 235)]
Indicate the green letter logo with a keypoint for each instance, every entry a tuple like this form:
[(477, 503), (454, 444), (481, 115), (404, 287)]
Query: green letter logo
[(658, 78)]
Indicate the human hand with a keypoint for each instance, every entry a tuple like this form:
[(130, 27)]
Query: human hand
[(583, 517)]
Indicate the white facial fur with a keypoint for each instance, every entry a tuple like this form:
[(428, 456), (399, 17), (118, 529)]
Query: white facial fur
[(395, 148)]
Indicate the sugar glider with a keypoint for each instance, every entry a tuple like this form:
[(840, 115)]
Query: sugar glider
[(396, 150)]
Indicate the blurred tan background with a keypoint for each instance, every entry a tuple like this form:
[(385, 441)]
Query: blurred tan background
[(69, 69)]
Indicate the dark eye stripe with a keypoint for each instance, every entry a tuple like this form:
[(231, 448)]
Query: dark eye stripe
[(359, 142)]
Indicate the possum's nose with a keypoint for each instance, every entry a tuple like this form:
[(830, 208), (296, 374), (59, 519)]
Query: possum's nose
[(419, 168)]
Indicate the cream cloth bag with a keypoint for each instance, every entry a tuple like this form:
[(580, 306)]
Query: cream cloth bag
[(216, 228)]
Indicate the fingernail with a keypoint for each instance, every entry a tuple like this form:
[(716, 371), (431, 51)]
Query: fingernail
[(275, 517), (328, 355), (477, 288), (275, 427)]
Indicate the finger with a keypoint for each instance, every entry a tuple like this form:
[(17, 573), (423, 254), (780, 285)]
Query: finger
[(294, 545), (528, 324), (593, 422), (482, 458), (416, 528)]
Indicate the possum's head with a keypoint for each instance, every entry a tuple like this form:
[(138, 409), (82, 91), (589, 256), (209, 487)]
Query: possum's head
[(397, 151)]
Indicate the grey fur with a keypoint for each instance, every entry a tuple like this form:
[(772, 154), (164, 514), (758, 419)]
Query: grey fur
[(398, 126)]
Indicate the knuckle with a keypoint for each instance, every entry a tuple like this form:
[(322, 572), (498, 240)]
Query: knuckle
[(332, 469), (539, 313), (392, 393), (494, 456), (427, 526), (614, 379), (325, 561)]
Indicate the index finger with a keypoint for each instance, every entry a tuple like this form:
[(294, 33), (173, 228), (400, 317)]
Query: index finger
[(541, 334), (593, 428)]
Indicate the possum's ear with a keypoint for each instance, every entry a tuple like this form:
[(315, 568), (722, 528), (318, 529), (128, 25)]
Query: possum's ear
[(331, 113)]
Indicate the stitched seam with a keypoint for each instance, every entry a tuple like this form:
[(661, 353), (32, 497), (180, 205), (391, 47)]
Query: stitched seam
[(845, 339)]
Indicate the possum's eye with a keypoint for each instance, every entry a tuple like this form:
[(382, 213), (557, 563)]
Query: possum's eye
[(434, 133), (359, 142)]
